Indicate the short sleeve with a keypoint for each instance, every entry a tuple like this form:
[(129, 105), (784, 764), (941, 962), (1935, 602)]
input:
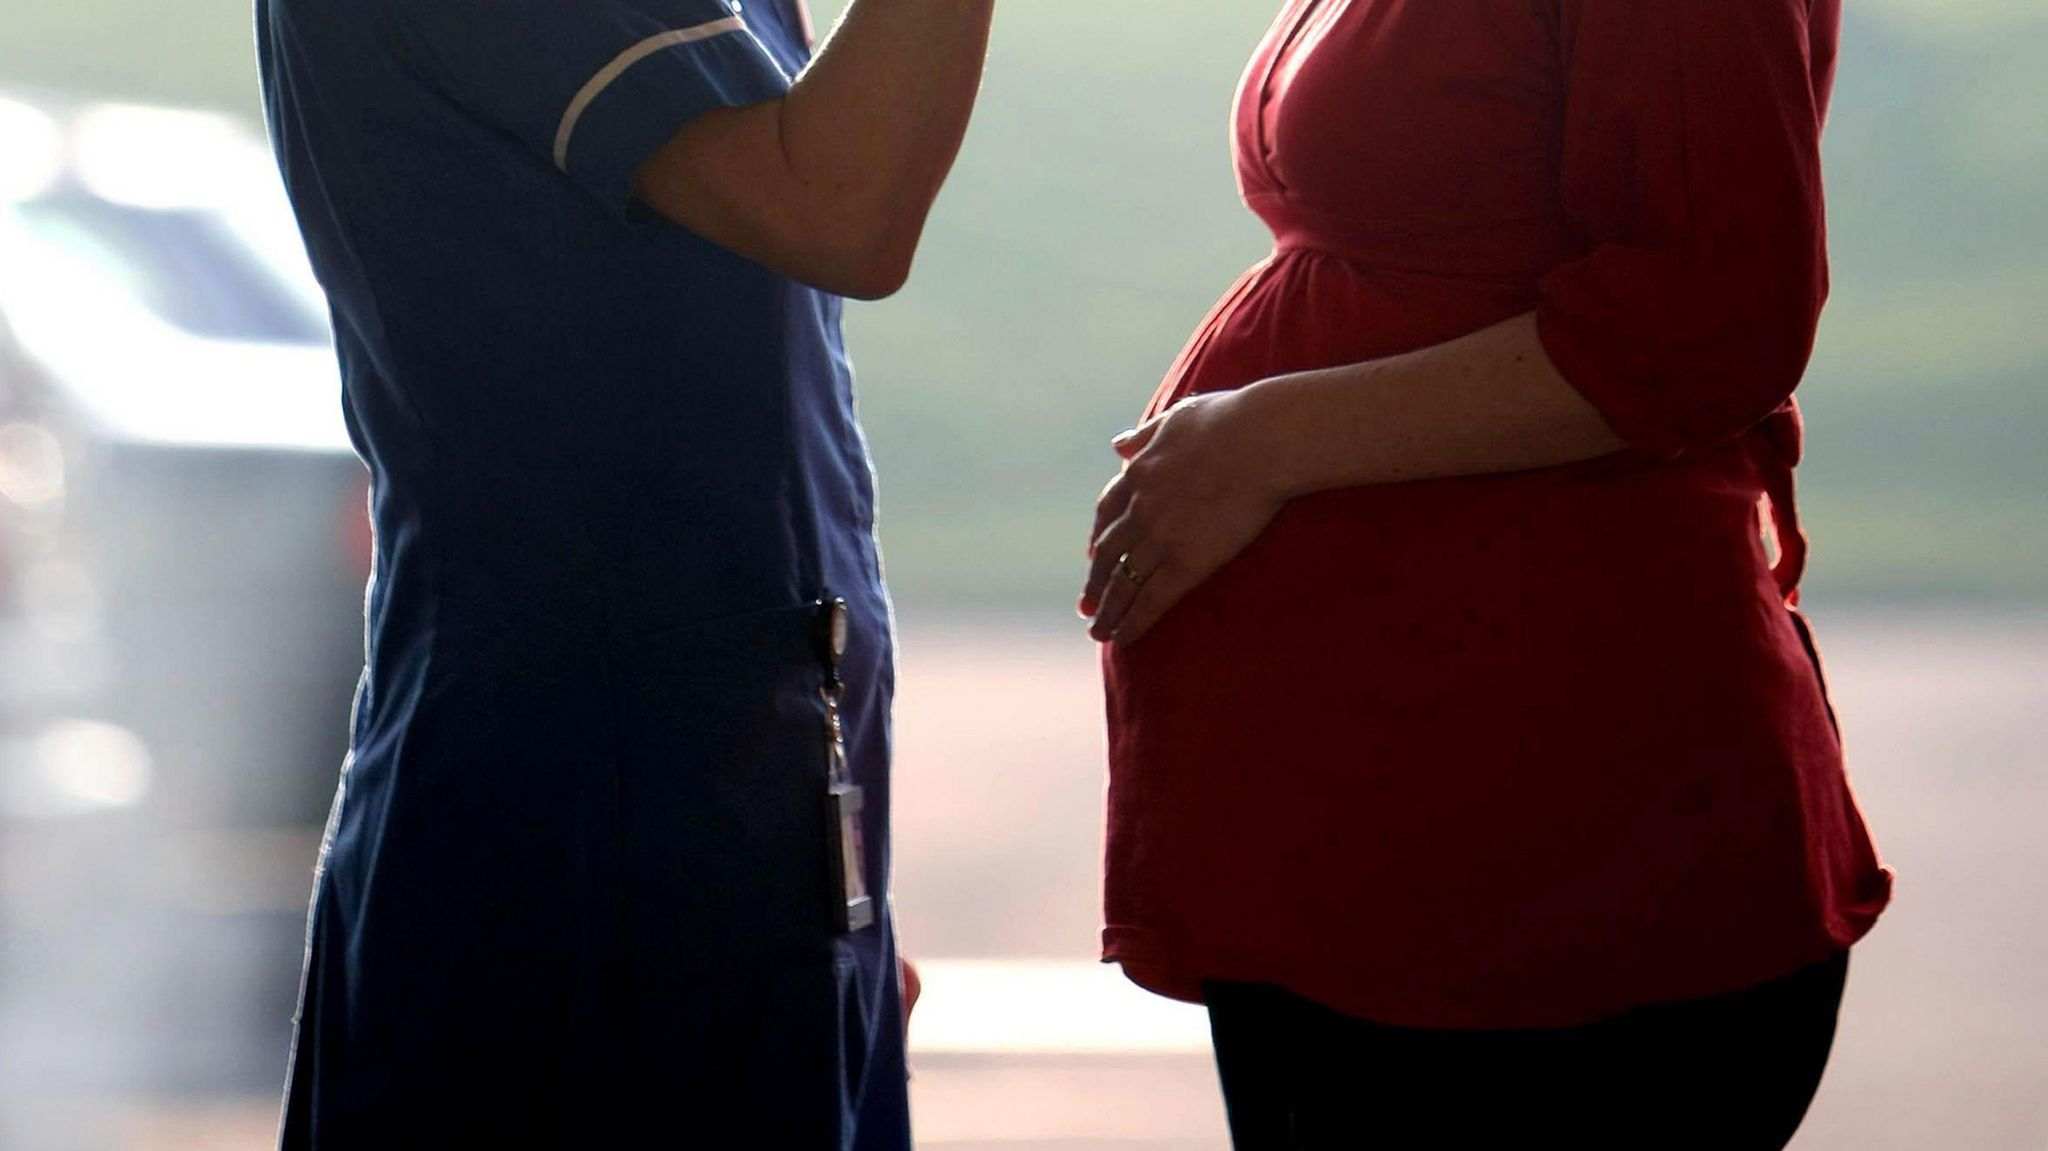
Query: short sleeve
[(593, 87), (1691, 178)]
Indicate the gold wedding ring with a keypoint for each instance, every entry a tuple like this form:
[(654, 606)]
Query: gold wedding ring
[(1124, 569)]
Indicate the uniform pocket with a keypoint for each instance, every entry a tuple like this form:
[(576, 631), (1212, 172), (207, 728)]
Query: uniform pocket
[(723, 773)]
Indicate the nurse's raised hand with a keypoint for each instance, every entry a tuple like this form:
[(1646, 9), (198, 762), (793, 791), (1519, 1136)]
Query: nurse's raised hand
[(1193, 494)]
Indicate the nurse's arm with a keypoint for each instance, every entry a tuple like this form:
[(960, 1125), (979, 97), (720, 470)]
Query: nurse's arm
[(832, 183)]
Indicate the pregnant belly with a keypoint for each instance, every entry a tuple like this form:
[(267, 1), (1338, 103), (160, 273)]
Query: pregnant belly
[(1455, 690), (1518, 716), (1406, 593)]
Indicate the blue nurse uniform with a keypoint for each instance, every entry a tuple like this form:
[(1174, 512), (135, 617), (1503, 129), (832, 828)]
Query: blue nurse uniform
[(575, 890)]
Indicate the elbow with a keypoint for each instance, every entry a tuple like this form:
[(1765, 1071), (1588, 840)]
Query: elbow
[(866, 238), (874, 275), (1679, 357), (1685, 391), (1775, 355), (876, 261), (1727, 394), (868, 290), (862, 263), (875, 231), (1776, 333)]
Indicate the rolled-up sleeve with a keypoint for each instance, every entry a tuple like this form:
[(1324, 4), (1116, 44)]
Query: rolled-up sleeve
[(1691, 178), (592, 87)]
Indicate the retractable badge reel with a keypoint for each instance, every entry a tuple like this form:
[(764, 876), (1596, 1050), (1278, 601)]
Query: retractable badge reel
[(853, 909)]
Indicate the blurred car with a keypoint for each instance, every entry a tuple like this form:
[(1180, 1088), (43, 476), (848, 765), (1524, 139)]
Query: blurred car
[(183, 550)]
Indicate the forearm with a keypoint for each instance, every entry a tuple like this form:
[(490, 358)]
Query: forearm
[(874, 124), (831, 183), (1488, 402)]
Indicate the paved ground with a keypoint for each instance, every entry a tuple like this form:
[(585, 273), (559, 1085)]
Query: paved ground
[(1944, 1044)]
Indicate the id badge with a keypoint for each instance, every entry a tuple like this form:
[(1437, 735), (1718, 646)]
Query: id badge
[(853, 908), (848, 851)]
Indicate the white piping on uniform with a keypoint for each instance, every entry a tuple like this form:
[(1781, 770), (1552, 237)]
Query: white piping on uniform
[(625, 60)]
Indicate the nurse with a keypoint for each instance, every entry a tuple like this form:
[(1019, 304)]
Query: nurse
[(608, 864)]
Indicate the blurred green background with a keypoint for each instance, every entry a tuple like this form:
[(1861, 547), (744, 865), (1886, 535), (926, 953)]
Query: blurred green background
[(1093, 219)]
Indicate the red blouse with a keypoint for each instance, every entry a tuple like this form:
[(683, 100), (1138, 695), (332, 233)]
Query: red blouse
[(1524, 750)]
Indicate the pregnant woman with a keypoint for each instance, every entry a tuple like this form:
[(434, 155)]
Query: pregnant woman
[(1469, 756)]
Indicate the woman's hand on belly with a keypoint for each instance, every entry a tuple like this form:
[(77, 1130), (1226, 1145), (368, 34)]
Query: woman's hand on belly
[(1191, 496)]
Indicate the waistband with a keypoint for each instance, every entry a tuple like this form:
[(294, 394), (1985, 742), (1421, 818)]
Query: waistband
[(1516, 251)]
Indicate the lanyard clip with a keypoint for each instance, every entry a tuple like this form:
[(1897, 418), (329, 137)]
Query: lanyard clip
[(853, 908), (828, 638)]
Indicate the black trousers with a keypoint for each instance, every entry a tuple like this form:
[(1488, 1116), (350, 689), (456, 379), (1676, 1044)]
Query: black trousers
[(1732, 1073)]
